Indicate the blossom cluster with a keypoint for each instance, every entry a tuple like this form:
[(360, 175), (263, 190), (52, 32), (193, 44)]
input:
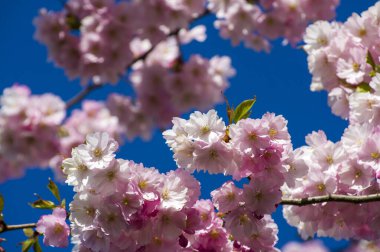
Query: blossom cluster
[(348, 167), (163, 94), (257, 22), (92, 117), (248, 147), (345, 63), (29, 126), (92, 39), (122, 206), (103, 41), (258, 149), (343, 59)]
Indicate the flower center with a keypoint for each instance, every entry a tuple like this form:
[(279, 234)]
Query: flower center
[(252, 136), (165, 195), (362, 32), (321, 187), (111, 175), (230, 196), (58, 228), (243, 219), (204, 216), (322, 41), (358, 174), (329, 159), (126, 201), (214, 234), (82, 168), (356, 67), (157, 240), (213, 154), (98, 152), (375, 155), (205, 130), (272, 132), (90, 211), (259, 196), (165, 219), (142, 184)]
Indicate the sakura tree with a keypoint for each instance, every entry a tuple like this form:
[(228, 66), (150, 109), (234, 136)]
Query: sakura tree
[(152, 70)]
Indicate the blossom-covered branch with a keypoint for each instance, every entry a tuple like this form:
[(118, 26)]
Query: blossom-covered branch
[(89, 88), (332, 198)]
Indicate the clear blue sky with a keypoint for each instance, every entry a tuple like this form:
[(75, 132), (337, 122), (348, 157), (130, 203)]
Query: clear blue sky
[(280, 80)]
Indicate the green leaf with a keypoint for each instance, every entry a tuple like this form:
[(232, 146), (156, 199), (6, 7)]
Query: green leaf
[(1, 207), (54, 189), (27, 244), (1, 203), (63, 203), (363, 88), (43, 204), (73, 22), (230, 111), (243, 110), (37, 246), (371, 61), (29, 232)]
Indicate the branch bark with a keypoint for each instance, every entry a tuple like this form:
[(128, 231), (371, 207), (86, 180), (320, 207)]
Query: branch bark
[(6, 228), (332, 198)]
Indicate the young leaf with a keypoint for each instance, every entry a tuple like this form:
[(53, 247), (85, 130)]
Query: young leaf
[(230, 111), (370, 60), (42, 204), (363, 88), (1, 207), (73, 22), (27, 244), (1, 203), (243, 110), (29, 232), (63, 203), (54, 189), (36, 246)]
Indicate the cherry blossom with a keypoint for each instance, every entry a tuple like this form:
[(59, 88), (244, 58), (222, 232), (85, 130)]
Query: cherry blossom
[(54, 228), (29, 130)]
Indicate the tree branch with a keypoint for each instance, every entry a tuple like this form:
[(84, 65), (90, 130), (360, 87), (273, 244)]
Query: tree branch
[(332, 198), (83, 93), (89, 88), (6, 228)]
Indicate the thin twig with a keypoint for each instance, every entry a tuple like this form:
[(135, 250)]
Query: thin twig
[(16, 227), (332, 198), (83, 93)]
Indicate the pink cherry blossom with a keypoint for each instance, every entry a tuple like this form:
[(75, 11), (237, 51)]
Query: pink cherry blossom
[(54, 228), (227, 197)]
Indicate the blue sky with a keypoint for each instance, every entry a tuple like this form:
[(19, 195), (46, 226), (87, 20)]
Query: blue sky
[(280, 81)]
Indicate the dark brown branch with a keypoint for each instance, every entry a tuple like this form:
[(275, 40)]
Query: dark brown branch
[(332, 198), (16, 227), (78, 97)]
